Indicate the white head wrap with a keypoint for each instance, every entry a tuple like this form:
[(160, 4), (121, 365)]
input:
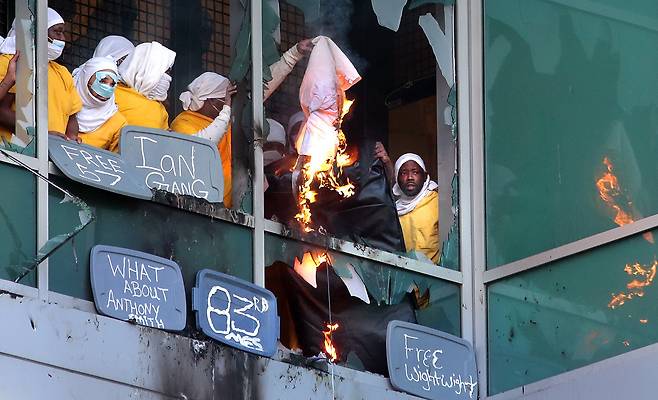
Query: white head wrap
[(145, 68), (277, 132), (114, 46), (406, 204), (9, 45), (94, 112), (208, 85)]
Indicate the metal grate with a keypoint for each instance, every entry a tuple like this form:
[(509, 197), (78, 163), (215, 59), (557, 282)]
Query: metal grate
[(88, 21), (412, 53), (285, 101), (217, 58)]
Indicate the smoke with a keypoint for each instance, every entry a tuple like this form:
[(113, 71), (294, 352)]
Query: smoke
[(336, 22)]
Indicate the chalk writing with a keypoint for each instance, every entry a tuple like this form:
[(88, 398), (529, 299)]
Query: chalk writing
[(175, 174), (149, 159), (247, 326), (429, 363), (138, 287), (236, 312)]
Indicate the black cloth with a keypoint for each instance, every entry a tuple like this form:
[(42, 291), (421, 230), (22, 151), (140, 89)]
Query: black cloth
[(369, 217), (304, 312)]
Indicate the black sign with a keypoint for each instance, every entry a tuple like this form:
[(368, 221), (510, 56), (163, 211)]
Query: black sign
[(138, 287), (236, 312), (149, 159), (95, 167), (430, 363)]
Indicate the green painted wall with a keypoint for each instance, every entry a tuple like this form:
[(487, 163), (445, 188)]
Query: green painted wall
[(17, 222)]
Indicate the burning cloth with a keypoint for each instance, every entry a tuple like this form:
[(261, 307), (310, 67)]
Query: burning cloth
[(321, 95)]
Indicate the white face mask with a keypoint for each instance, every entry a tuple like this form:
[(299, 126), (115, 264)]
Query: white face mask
[(159, 92), (55, 49)]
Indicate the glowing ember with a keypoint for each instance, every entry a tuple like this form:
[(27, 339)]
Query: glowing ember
[(626, 343), (644, 321), (325, 173), (329, 349), (610, 192), (636, 286)]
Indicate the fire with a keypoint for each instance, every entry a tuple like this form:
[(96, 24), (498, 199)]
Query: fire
[(325, 173), (309, 265), (610, 190), (636, 286), (329, 348)]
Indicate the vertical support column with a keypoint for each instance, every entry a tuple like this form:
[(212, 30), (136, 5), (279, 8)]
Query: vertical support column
[(470, 105), (41, 101), (257, 98)]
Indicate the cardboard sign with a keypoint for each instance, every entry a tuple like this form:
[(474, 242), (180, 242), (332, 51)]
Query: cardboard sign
[(430, 363), (138, 287), (149, 159), (95, 167), (177, 163), (236, 312)]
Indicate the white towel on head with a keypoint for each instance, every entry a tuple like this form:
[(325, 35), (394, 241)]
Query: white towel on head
[(406, 204), (114, 46), (94, 112), (9, 44), (208, 85), (145, 67)]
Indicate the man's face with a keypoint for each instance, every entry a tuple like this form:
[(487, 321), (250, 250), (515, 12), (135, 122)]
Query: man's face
[(57, 32), (411, 178)]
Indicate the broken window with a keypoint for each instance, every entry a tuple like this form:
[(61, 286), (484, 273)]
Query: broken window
[(353, 85), (400, 97), (570, 127)]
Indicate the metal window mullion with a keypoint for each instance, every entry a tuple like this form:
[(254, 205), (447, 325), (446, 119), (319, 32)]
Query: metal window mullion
[(470, 103), (257, 106), (41, 99)]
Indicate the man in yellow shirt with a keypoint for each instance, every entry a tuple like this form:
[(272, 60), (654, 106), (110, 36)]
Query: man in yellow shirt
[(417, 202), (207, 113), (63, 99), (145, 85)]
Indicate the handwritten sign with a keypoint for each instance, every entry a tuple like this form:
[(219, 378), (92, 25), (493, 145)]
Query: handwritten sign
[(95, 167), (177, 163), (430, 363), (149, 159), (139, 287), (236, 312)]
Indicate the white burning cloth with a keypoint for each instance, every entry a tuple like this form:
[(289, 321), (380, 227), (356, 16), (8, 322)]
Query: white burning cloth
[(322, 92), (145, 70)]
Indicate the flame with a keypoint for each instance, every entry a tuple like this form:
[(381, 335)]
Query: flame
[(325, 173), (636, 286), (644, 321), (329, 348), (309, 265), (609, 191)]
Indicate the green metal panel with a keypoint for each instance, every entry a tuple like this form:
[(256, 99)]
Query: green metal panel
[(567, 84), (194, 241), (18, 222), (562, 316), (385, 284)]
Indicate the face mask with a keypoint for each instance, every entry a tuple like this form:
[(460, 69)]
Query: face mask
[(269, 156), (159, 92), (104, 89), (55, 48)]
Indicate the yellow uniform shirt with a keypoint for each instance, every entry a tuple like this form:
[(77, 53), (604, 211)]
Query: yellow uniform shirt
[(190, 122), (140, 111), (63, 98), (107, 135), (421, 227)]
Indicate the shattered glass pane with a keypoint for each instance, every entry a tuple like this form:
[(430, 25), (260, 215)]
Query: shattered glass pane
[(389, 12)]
